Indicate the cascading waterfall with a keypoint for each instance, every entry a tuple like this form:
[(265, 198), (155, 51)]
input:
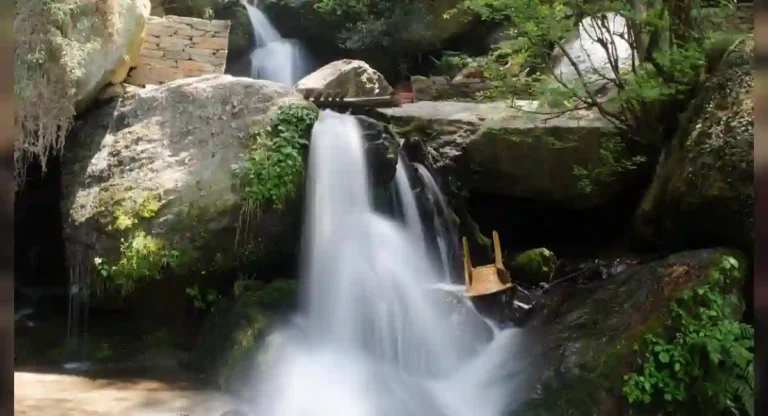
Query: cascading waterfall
[(445, 229), (274, 58), (376, 338)]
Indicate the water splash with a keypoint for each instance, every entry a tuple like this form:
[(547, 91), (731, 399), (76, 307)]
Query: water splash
[(274, 58), (376, 338)]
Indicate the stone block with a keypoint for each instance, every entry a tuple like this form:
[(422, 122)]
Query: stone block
[(198, 51), (208, 59), (195, 66), (151, 53), (190, 33), (209, 43), (151, 39), (177, 55), (153, 75), (145, 61), (159, 31)]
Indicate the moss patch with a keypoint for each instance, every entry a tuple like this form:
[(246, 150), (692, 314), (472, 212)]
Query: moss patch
[(534, 266)]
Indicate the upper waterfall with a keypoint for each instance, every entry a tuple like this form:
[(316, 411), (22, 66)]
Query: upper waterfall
[(275, 58)]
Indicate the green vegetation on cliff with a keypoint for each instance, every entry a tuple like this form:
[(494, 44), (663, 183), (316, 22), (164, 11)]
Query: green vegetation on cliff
[(274, 164), (706, 367)]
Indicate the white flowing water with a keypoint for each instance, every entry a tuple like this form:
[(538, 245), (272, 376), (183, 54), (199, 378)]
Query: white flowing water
[(377, 336), (274, 58)]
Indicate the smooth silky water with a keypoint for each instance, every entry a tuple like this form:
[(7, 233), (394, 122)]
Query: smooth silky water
[(375, 335), (275, 58)]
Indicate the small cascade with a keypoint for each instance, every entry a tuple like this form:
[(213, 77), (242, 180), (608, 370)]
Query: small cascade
[(77, 323), (445, 229), (275, 58)]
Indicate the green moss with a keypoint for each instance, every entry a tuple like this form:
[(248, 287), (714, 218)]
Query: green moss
[(534, 266), (141, 256)]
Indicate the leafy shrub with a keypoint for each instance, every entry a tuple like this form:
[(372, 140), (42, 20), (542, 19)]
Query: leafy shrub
[(273, 165), (707, 368)]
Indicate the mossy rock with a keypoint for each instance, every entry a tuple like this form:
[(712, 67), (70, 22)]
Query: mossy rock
[(149, 186), (233, 333), (703, 191), (589, 333), (534, 266)]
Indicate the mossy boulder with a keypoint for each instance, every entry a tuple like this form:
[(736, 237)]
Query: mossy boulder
[(533, 266), (151, 186), (495, 149), (233, 334), (589, 334), (703, 191)]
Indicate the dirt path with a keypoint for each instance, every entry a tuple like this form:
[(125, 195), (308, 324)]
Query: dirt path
[(39, 394)]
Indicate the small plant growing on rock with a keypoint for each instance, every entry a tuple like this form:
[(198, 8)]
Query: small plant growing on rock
[(272, 167), (708, 365)]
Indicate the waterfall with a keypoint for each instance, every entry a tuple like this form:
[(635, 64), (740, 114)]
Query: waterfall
[(274, 58), (376, 338)]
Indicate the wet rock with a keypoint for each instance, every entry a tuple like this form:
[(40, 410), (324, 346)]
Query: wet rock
[(495, 149), (589, 332), (149, 188), (382, 149), (354, 78), (703, 191), (233, 334)]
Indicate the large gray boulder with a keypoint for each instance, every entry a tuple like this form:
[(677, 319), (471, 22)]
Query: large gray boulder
[(497, 149), (149, 185), (354, 78)]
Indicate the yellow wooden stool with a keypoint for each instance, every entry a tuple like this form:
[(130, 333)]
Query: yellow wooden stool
[(485, 280)]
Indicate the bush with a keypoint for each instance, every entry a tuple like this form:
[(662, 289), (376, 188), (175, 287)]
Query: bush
[(707, 367)]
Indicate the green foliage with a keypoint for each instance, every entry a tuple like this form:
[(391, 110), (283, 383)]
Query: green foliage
[(613, 162), (707, 367), (203, 299), (142, 256), (272, 167), (50, 55), (667, 38)]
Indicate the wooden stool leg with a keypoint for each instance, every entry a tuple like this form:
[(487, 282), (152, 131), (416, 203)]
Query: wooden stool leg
[(467, 263)]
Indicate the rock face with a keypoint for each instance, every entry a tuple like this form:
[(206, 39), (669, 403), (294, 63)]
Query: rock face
[(233, 334), (703, 191), (354, 78), (496, 149), (381, 149), (148, 185), (116, 53), (588, 333)]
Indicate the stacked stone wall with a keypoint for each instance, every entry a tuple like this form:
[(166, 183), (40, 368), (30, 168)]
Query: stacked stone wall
[(179, 47)]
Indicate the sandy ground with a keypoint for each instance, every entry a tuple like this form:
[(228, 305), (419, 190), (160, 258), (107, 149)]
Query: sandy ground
[(39, 394)]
